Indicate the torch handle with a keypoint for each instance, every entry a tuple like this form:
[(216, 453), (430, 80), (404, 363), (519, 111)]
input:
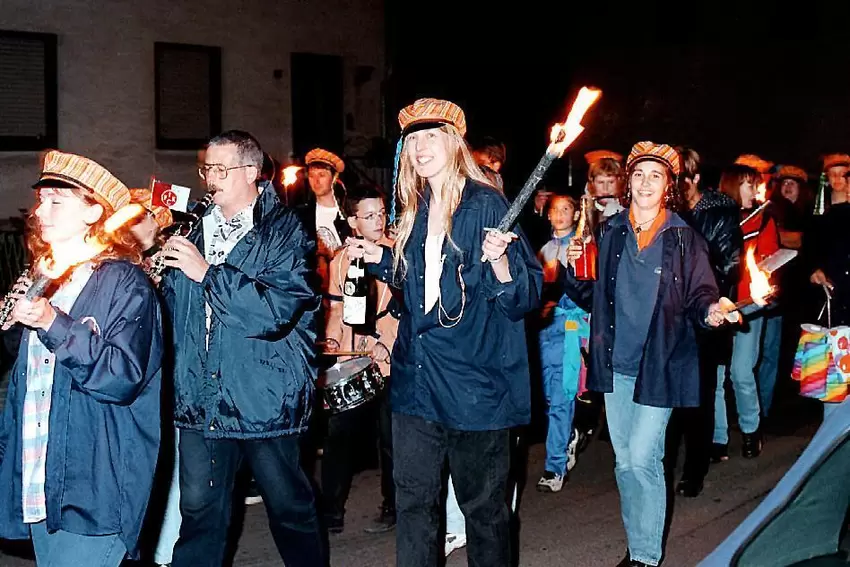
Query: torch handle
[(37, 288), (525, 193)]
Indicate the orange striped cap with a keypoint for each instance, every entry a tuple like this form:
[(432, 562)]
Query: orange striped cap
[(658, 152), (596, 155), (162, 215), (61, 169), (319, 155), (754, 161), (833, 160), (427, 111), (793, 172)]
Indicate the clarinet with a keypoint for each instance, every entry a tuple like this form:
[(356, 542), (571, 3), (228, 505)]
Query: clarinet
[(9, 300), (158, 265)]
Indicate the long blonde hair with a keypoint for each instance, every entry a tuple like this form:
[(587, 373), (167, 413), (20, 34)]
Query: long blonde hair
[(460, 166)]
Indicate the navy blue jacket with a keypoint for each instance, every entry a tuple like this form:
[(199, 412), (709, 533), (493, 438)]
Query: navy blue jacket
[(256, 379), (669, 373), (472, 376), (104, 413)]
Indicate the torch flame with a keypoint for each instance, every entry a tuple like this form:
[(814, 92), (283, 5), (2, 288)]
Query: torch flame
[(290, 175), (760, 286), (564, 134), (761, 192), (57, 262)]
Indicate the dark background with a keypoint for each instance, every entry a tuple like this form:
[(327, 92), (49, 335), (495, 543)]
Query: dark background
[(724, 78)]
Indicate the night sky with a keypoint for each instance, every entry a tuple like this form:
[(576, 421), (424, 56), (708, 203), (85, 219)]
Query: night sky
[(723, 79)]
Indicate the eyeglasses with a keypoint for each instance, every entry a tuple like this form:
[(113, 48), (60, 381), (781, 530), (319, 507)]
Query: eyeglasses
[(381, 215), (218, 171)]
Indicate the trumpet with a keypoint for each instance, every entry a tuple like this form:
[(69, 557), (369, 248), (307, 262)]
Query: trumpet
[(158, 265)]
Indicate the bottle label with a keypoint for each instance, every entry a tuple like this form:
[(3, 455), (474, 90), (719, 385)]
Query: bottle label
[(355, 272), (353, 310)]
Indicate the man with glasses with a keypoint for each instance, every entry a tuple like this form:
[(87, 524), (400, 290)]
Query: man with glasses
[(366, 214), (243, 316)]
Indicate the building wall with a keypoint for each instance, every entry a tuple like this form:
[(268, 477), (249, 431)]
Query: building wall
[(106, 105)]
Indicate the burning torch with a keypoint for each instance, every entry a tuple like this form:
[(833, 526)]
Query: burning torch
[(760, 290), (561, 137)]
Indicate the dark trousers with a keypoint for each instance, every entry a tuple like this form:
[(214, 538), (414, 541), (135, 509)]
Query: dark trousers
[(208, 469), (696, 425), (346, 432), (478, 462)]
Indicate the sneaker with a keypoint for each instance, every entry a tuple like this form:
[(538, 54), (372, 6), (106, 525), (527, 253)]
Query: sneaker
[(252, 496), (719, 452), (572, 448), (385, 521), (550, 482), (454, 542), (752, 444)]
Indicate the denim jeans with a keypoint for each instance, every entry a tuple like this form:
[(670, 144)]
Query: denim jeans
[(829, 408), (745, 354), (170, 530), (559, 410), (637, 435), (64, 549), (479, 462), (769, 365), (208, 470)]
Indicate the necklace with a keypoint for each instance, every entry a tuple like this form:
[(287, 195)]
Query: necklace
[(638, 226)]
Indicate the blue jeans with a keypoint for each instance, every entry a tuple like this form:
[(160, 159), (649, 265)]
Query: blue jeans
[(64, 549), (560, 410), (170, 530), (769, 365), (745, 354), (829, 408), (208, 470), (637, 435)]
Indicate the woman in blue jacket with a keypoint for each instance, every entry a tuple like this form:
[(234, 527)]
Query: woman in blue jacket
[(80, 431), (460, 365), (645, 359)]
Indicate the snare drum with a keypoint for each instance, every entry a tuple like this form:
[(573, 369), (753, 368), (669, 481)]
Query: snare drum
[(351, 383)]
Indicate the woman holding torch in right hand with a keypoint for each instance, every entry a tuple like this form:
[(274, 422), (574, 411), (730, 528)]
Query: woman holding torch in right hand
[(655, 286)]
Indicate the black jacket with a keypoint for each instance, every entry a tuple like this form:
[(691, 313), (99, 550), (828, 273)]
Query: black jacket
[(716, 217)]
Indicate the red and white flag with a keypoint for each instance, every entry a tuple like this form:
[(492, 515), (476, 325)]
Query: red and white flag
[(174, 197)]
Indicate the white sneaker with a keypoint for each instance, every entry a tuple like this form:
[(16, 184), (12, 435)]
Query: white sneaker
[(454, 542), (571, 450), (550, 482)]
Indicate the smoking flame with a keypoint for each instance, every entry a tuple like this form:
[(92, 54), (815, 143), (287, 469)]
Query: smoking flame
[(564, 134), (760, 286), (290, 175), (122, 216), (761, 192), (56, 264)]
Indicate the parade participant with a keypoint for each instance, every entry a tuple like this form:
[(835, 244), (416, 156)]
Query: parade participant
[(86, 382), (760, 235), (147, 228), (243, 331), (322, 215), (366, 213), (490, 156), (827, 249), (460, 364), (715, 217), (642, 358), (761, 165), (560, 361)]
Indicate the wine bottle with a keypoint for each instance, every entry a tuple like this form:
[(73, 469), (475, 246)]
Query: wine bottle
[(355, 290)]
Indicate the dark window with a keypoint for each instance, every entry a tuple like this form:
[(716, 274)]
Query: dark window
[(317, 109), (27, 91), (188, 95)]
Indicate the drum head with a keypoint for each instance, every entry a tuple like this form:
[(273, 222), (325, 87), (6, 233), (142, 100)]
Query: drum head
[(345, 369)]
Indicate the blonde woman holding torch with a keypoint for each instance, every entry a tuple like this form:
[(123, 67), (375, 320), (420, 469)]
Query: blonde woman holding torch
[(460, 366)]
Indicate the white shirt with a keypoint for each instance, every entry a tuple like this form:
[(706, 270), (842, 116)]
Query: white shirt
[(325, 229), (433, 268)]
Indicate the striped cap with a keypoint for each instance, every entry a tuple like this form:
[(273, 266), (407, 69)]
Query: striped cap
[(833, 160), (658, 152), (71, 171), (793, 172), (319, 155), (430, 112), (596, 155), (754, 161), (161, 215)]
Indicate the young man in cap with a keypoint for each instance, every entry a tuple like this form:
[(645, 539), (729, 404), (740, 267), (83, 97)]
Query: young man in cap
[(243, 315)]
